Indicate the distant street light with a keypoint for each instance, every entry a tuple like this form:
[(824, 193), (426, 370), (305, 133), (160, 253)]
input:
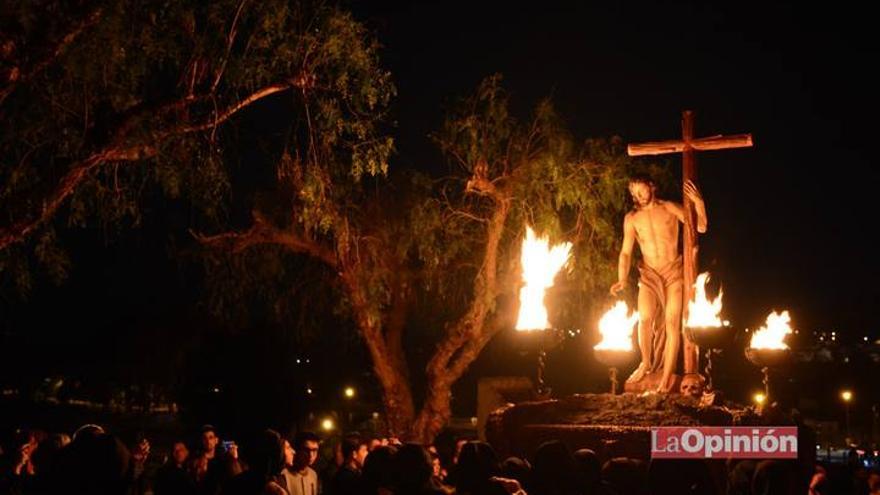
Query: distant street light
[(847, 397), (327, 424), (759, 398), (349, 393)]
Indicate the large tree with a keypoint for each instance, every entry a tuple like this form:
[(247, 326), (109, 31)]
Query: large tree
[(444, 253), (96, 105)]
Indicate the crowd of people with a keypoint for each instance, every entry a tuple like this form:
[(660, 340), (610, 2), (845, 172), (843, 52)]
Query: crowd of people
[(95, 461)]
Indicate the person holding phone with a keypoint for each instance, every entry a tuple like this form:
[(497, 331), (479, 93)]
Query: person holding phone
[(215, 463)]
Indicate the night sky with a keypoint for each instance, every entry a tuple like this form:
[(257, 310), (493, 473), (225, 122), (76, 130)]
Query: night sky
[(788, 218)]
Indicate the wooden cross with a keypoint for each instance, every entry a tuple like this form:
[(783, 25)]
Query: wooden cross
[(687, 146)]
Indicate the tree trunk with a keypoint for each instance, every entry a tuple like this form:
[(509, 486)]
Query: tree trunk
[(388, 364), (466, 338), (396, 394), (435, 412)]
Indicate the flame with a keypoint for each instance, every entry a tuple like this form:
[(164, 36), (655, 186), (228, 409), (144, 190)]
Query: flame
[(616, 328), (771, 335), (701, 311), (540, 263)]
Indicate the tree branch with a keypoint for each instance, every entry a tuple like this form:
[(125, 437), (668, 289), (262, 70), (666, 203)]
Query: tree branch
[(230, 39), (226, 114), (118, 152), (466, 215), (481, 185), (262, 232), (471, 350), (89, 21), (470, 326)]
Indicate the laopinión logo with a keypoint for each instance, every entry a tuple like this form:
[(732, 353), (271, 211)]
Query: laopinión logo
[(744, 442)]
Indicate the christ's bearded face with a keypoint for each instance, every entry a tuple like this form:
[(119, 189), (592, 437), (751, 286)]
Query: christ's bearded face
[(642, 193)]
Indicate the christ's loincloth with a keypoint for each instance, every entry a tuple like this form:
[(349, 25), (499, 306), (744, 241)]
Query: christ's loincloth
[(656, 283)]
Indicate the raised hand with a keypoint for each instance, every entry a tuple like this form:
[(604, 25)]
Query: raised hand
[(692, 193)]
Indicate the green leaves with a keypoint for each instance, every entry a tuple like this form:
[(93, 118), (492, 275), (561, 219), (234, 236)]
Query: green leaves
[(146, 75), (475, 134), (573, 191)]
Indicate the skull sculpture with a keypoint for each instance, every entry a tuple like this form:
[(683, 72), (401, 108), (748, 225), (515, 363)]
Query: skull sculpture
[(692, 385)]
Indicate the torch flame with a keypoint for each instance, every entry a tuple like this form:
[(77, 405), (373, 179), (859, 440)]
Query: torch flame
[(771, 335), (540, 263), (701, 311), (616, 328)]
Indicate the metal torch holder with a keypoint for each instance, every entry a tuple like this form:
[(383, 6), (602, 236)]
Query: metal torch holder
[(541, 341), (713, 340), (767, 360)]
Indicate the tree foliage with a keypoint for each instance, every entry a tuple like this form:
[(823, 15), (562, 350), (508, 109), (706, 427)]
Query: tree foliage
[(267, 121), (101, 105)]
